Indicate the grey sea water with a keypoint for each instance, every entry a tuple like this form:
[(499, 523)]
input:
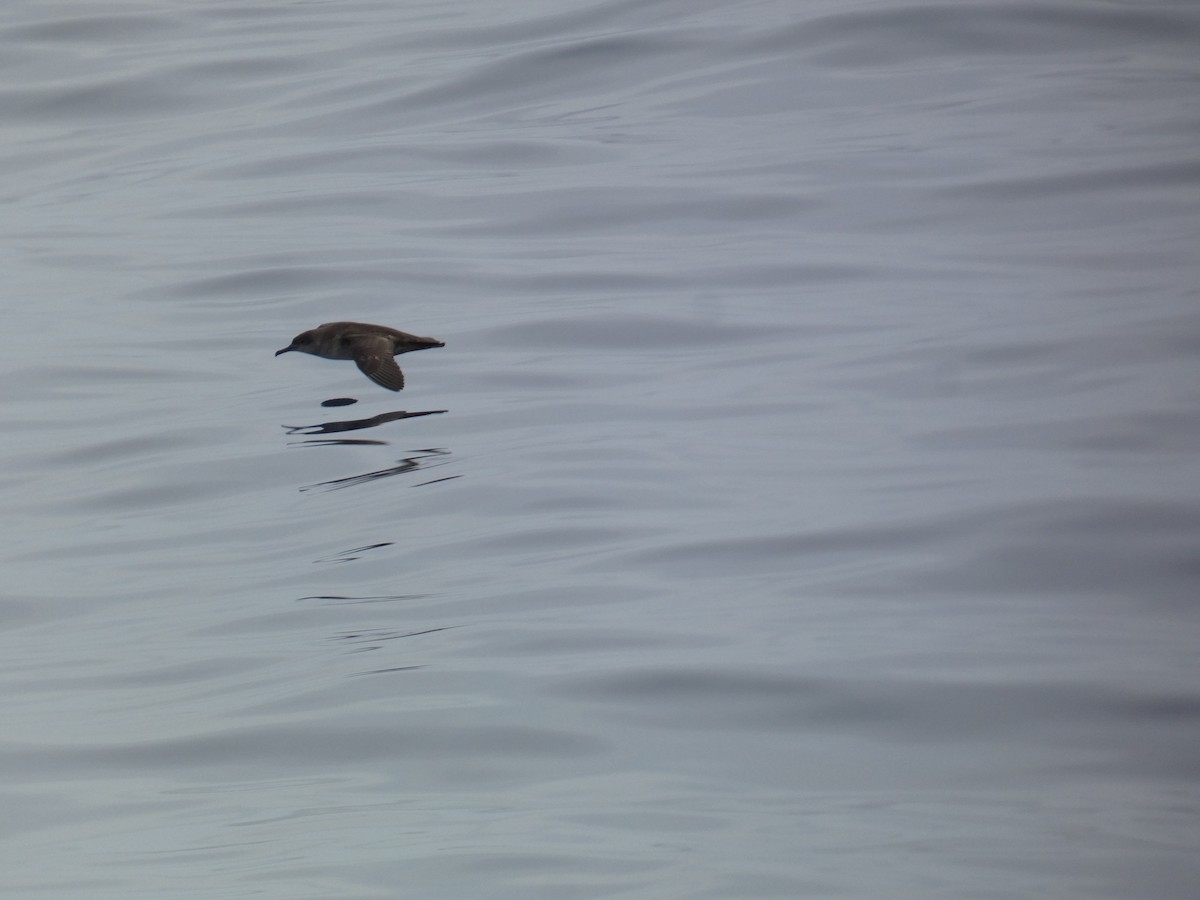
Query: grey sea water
[(805, 503)]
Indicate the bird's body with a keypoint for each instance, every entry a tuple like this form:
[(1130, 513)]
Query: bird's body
[(372, 347)]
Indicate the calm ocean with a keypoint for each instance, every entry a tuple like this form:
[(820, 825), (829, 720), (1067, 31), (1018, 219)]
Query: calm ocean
[(806, 502)]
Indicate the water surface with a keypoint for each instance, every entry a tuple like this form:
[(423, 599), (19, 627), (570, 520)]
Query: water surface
[(804, 503)]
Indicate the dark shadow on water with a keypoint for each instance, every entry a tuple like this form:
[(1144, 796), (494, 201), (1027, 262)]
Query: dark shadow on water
[(340, 599), (419, 460), (356, 424), (339, 442), (326, 434), (374, 639), (353, 553), (423, 459)]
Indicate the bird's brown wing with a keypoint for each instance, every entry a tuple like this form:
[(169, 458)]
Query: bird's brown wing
[(373, 355)]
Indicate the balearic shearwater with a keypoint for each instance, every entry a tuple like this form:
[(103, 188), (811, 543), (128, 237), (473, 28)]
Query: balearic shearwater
[(370, 346)]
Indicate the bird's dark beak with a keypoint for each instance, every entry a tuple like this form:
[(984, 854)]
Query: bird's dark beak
[(284, 350)]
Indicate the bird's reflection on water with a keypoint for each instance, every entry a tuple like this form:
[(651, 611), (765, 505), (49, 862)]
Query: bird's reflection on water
[(344, 556), (339, 599), (421, 459), (356, 424)]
